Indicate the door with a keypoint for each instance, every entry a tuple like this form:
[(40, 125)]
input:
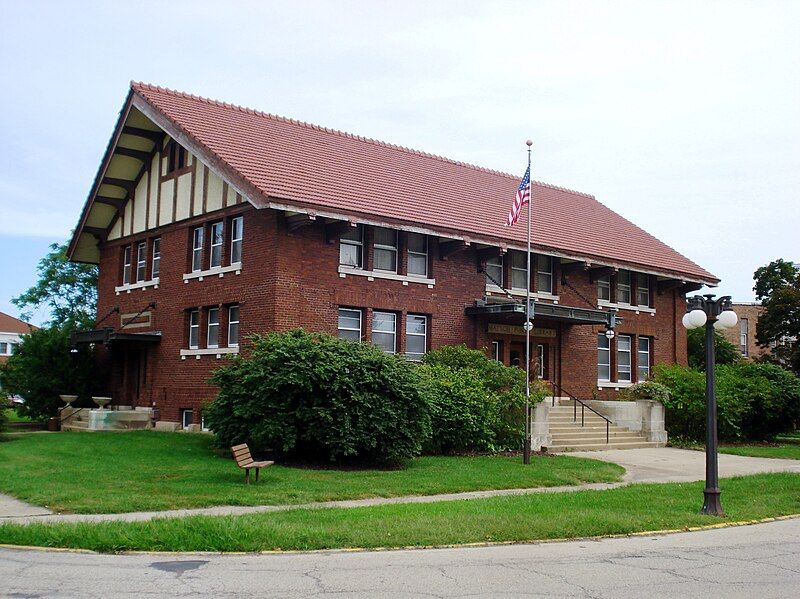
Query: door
[(135, 373)]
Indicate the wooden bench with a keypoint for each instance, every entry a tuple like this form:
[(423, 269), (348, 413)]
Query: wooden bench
[(241, 453)]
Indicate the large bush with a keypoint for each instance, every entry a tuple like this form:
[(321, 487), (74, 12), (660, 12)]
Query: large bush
[(43, 367), (477, 403), (316, 397), (725, 352), (754, 401)]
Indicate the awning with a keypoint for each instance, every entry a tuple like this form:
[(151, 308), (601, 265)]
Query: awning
[(110, 336), (515, 310)]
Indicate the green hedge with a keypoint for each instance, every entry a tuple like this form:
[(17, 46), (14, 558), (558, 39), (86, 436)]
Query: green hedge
[(754, 401)]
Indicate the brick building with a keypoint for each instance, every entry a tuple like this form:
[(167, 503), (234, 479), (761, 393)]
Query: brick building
[(743, 335), (11, 331), (211, 221)]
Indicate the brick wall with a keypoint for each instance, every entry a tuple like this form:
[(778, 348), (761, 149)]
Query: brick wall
[(749, 313), (291, 279)]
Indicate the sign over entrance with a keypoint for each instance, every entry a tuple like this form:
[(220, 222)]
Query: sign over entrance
[(516, 329)]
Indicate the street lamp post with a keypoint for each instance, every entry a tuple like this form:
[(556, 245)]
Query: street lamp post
[(704, 310)]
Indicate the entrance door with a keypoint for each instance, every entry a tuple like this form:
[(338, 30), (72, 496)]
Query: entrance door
[(135, 373), (539, 358), (517, 355)]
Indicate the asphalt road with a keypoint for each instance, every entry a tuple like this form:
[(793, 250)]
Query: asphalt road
[(748, 561)]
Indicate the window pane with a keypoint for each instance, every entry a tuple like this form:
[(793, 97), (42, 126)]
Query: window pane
[(624, 287), (156, 258), (213, 328), (216, 244), (197, 249), (236, 239), (604, 288), (643, 289), (383, 321), (385, 259), (623, 358), (415, 346), (126, 266), (194, 329), (603, 358), (418, 265), (385, 237), (494, 272), (384, 340), (350, 255), (545, 283), (416, 325), (417, 243), (233, 326), (545, 274), (643, 359), (350, 319), (352, 234)]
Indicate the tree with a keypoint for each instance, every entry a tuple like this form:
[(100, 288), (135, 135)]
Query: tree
[(67, 289), (44, 367), (778, 288), (725, 352)]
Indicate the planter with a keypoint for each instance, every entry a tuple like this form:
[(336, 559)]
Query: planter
[(101, 401), (68, 399)]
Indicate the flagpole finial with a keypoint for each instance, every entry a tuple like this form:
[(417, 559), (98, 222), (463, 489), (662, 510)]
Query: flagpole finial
[(529, 143)]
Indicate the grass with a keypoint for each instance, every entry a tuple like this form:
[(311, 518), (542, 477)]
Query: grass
[(786, 447), (12, 416), (134, 471), (624, 510)]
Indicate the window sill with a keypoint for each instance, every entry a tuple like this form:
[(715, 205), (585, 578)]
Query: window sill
[(376, 274), (614, 385), (140, 285), (522, 292), (218, 271), (636, 309), (209, 351)]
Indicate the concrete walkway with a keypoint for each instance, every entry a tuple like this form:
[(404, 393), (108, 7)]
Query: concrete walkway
[(650, 465)]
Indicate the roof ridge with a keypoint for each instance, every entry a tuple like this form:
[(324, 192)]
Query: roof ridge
[(406, 149)]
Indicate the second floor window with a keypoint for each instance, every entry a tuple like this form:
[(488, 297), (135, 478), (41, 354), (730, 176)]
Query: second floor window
[(126, 265), (197, 249), (494, 271), (643, 289), (604, 288), (519, 270), (233, 326), (384, 331), (385, 249), (351, 248), (156, 268), (141, 261), (417, 255), (545, 274), (624, 287), (194, 329), (237, 234), (217, 238), (212, 340)]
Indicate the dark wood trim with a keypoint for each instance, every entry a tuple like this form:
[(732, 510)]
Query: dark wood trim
[(118, 203), (298, 221), (663, 287), (147, 195), (126, 184), (448, 248), (485, 254), (224, 193), (570, 268), (192, 185), (131, 153), (160, 155), (154, 136), (596, 273), (175, 196), (205, 189), (336, 229), (98, 232)]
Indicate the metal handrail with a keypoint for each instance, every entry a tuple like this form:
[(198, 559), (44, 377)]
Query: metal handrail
[(575, 407)]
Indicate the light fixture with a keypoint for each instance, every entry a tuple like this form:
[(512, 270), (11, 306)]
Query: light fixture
[(697, 318), (726, 320), (610, 334)]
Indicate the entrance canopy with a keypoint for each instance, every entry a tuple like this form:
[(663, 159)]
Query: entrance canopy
[(109, 336), (515, 310)]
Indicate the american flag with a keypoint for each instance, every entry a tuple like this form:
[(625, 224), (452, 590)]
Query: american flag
[(523, 197)]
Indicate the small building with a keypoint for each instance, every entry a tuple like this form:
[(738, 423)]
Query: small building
[(11, 332), (211, 221), (743, 335)]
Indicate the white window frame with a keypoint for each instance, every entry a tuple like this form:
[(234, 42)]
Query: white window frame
[(418, 254), (603, 349), (358, 244), (231, 322), (184, 412), (390, 250), (540, 353), (340, 328), (640, 369), (621, 373), (237, 235), (216, 245), (548, 273), (744, 337), (141, 261), (194, 328), (519, 270), (416, 356), (624, 287), (127, 255), (198, 241), (642, 277), (393, 332), (604, 283), (155, 265), (5, 348), (209, 325), (496, 353), (494, 264)]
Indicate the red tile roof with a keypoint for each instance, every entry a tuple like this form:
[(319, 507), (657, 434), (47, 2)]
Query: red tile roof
[(318, 167), (9, 324)]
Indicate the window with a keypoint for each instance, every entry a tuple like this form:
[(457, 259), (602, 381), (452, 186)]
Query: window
[(187, 418), (643, 359), (545, 274), (497, 351), (603, 358), (417, 255), (624, 358), (156, 269), (197, 249), (351, 246), (349, 324), (643, 289), (5, 350), (624, 287), (494, 271), (237, 234), (384, 331), (217, 237), (416, 336), (604, 288), (385, 249), (233, 326), (126, 265), (194, 329), (743, 335), (519, 270), (176, 158), (141, 261), (541, 353), (212, 340)]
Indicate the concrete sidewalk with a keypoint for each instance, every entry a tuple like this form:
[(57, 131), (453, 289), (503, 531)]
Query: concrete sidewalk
[(650, 465)]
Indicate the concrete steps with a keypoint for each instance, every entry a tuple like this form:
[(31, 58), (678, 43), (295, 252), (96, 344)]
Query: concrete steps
[(568, 434)]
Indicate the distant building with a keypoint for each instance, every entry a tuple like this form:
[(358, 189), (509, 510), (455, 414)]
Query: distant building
[(743, 336), (11, 331)]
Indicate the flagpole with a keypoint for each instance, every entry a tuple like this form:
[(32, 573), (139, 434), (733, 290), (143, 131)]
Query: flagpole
[(526, 453)]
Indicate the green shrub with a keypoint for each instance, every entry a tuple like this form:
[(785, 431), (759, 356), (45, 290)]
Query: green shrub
[(725, 352), (43, 367), (754, 401), (316, 397), (647, 390), (3, 415)]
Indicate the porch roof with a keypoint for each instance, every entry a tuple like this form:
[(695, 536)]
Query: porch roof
[(566, 314), (109, 336)]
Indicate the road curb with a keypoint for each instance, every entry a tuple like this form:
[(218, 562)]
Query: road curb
[(644, 533)]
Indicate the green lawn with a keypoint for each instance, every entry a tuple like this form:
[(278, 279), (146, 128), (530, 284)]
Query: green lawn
[(515, 518), (12, 416), (133, 471), (782, 450)]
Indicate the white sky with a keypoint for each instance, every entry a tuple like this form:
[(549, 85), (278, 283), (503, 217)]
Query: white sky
[(684, 117)]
